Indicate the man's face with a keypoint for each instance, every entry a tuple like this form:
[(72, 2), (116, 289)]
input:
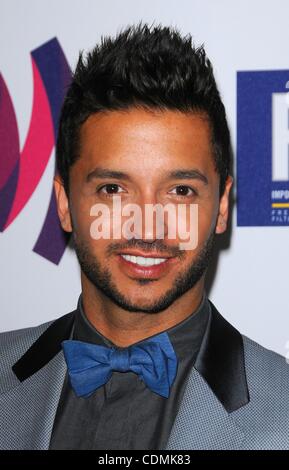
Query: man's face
[(144, 157)]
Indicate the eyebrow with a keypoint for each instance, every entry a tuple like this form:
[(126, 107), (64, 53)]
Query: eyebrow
[(106, 173), (188, 175), (176, 174)]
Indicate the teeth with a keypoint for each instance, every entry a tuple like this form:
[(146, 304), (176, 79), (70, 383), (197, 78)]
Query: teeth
[(141, 261)]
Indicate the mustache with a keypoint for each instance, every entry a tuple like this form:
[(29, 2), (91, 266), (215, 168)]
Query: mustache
[(147, 247)]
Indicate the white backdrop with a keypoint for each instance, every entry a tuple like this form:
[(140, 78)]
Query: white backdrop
[(251, 285)]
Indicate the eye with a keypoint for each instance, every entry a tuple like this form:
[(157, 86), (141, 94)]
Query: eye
[(110, 188), (184, 191)]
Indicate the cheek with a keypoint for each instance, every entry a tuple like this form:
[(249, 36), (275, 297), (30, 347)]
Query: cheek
[(81, 219)]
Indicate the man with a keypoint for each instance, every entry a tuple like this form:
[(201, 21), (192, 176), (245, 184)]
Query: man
[(145, 361)]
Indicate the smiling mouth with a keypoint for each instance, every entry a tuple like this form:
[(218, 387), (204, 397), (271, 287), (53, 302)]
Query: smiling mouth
[(143, 261)]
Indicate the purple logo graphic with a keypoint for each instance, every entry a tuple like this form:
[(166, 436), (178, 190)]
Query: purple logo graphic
[(21, 171)]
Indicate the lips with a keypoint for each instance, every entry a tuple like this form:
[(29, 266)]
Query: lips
[(140, 266)]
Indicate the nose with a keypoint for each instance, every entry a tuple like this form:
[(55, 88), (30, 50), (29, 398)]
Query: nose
[(150, 217)]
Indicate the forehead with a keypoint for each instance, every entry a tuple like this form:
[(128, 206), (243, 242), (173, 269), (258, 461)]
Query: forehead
[(126, 138)]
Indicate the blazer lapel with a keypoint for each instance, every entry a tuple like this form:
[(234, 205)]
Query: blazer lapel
[(216, 387), (28, 408)]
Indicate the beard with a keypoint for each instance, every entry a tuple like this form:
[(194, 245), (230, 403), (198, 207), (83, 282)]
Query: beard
[(101, 277)]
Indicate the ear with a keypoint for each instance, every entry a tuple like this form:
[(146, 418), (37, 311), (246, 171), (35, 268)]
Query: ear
[(223, 214), (62, 204)]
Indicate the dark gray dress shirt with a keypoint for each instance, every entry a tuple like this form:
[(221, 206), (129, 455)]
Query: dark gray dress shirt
[(125, 414)]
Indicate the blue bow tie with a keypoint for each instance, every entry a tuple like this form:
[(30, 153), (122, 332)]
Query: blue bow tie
[(90, 366)]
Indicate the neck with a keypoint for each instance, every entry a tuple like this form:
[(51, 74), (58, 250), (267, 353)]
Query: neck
[(124, 328)]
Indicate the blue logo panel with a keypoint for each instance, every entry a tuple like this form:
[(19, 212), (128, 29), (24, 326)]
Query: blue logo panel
[(262, 162)]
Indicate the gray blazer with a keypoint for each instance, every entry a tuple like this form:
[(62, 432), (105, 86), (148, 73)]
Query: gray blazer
[(236, 396)]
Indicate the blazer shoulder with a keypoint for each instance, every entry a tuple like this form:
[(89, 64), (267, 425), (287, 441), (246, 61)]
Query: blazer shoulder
[(15, 343), (266, 417), (265, 363), (16, 339)]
